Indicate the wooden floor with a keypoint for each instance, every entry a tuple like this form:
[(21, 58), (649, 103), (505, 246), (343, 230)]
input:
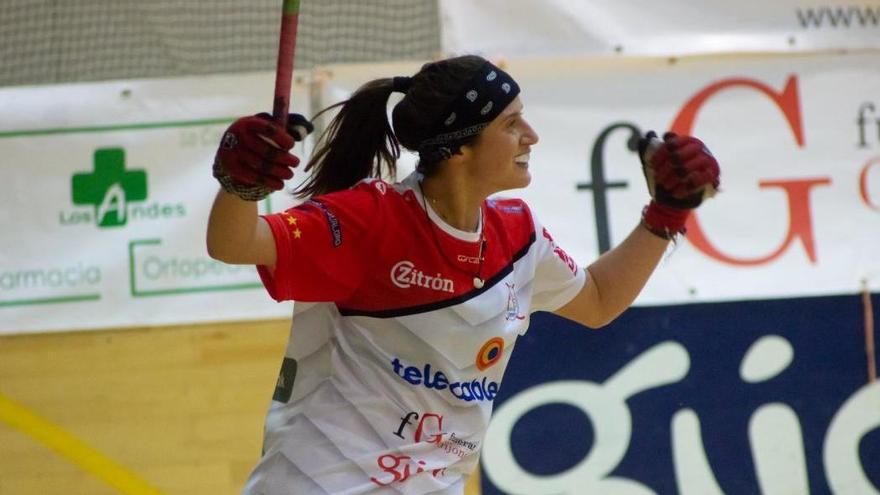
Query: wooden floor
[(176, 410), (179, 407)]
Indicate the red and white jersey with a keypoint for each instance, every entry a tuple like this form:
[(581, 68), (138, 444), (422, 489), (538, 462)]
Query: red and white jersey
[(395, 356)]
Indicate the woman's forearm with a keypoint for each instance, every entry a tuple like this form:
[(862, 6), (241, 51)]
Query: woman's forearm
[(616, 279), (236, 234), (620, 274)]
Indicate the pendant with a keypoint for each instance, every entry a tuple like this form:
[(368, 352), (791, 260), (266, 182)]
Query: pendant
[(478, 283)]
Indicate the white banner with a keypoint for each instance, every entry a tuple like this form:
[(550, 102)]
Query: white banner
[(798, 140), (521, 28), (107, 193), (108, 185)]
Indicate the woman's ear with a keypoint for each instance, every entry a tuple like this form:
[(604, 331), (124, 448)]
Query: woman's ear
[(465, 153)]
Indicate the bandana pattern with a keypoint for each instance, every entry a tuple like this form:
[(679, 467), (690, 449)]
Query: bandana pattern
[(484, 97)]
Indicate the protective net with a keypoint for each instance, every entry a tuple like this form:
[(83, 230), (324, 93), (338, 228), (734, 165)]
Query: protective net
[(57, 41)]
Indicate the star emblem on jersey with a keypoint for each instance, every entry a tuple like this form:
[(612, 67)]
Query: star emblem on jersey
[(490, 353), (291, 222)]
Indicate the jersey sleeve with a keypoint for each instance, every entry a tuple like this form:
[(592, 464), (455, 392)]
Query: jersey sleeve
[(322, 246), (557, 277)]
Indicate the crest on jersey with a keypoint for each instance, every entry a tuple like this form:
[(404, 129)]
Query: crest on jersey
[(512, 312), (490, 353)]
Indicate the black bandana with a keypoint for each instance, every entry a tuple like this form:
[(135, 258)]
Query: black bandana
[(483, 98)]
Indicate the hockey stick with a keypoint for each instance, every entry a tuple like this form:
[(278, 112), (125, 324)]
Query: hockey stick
[(284, 70)]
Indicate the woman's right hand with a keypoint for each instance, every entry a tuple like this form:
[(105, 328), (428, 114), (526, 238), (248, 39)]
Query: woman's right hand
[(253, 158)]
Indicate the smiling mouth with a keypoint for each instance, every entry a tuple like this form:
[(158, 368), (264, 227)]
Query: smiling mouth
[(522, 160)]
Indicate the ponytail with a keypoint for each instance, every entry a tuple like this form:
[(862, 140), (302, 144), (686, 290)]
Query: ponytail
[(360, 142), (356, 144)]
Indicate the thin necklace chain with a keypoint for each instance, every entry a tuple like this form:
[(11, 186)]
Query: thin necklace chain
[(478, 279)]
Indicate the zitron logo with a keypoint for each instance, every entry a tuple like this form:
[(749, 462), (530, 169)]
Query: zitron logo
[(109, 187), (114, 194)]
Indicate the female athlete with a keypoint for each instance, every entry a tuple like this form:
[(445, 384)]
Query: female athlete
[(410, 296)]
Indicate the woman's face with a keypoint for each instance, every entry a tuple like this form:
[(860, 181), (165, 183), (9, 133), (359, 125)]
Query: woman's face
[(499, 158)]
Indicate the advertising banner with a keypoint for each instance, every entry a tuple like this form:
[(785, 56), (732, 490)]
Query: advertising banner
[(798, 213), (106, 197), (757, 397), (109, 187), (519, 28)]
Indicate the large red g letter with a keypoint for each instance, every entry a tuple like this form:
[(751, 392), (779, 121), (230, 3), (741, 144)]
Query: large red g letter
[(797, 191), (863, 183)]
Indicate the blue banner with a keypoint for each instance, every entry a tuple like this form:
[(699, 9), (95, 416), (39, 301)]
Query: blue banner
[(735, 398)]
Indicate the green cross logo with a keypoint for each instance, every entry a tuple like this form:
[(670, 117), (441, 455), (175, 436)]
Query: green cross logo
[(109, 187)]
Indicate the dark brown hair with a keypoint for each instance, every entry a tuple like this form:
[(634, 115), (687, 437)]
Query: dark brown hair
[(360, 141)]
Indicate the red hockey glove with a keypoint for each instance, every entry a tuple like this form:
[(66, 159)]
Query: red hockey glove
[(681, 172), (253, 160)]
